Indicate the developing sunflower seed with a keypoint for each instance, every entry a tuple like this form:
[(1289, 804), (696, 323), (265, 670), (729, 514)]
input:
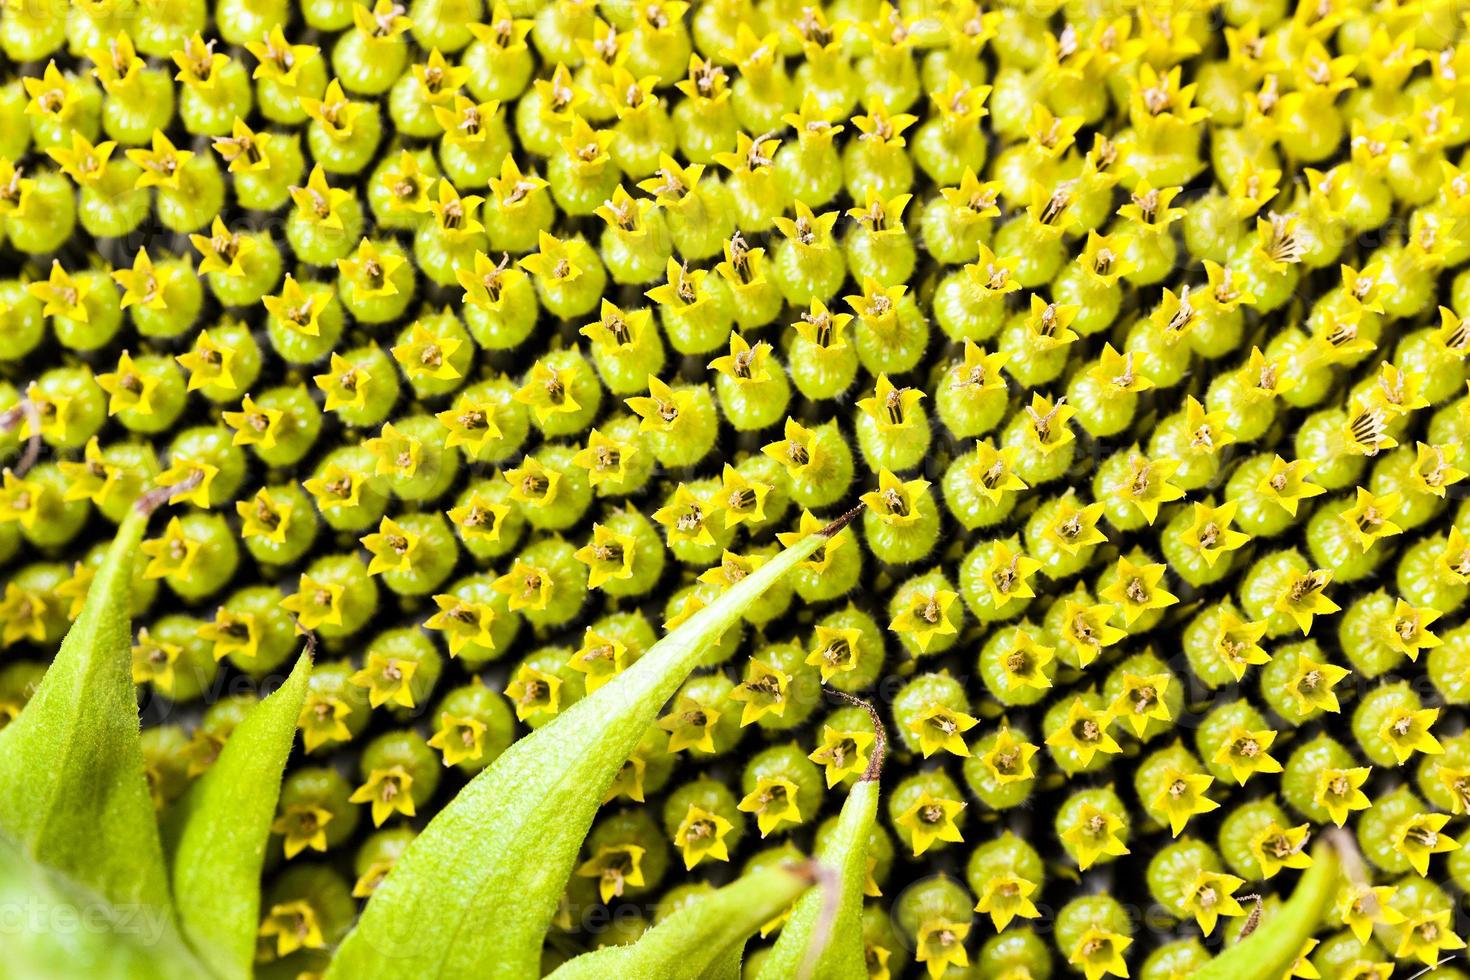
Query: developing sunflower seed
[(615, 391)]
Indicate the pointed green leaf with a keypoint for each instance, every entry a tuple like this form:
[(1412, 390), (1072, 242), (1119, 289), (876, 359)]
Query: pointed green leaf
[(726, 966), (59, 928), (693, 939), (73, 794), (222, 827), (475, 893), (814, 939), (1269, 952)]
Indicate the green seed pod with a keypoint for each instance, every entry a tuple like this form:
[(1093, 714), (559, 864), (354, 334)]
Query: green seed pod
[(935, 917), (995, 580), (1181, 957), (278, 525), (781, 786), (1321, 781), (377, 856), (1234, 741), (172, 656), (546, 584), (195, 556), (617, 461), (473, 726), (1391, 724), (1446, 666), (927, 811), (413, 459), (999, 768), (346, 496), (703, 820), (544, 685), (780, 689), (901, 522), (1016, 951), (702, 717), (165, 763), (1093, 826), (477, 620), (17, 685), (1077, 732), (488, 423), (308, 907), (400, 773), (847, 647), (1005, 873), (1298, 683), (486, 520), (822, 359), (399, 668), (1343, 955), (925, 615), (1093, 931), (314, 813), (932, 714), (833, 570), (818, 463), (335, 710), (1144, 695), (335, 596), (1175, 872), (627, 856), (549, 489), (1257, 840), (1171, 785)]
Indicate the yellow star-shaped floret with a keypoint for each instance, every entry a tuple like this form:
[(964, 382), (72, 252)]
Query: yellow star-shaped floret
[(1095, 833), (388, 791), (460, 739), (843, 753), (931, 819), (387, 679), (701, 834), (608, 555)]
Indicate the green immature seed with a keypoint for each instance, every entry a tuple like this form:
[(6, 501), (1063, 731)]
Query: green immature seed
[(473, 896)]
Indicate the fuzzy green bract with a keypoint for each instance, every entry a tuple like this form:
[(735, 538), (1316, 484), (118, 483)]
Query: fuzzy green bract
[(694, 939), (73, 794), (475, 893), (79, 839), (70, 931), (841, 939), (221, 828), (1269, 952)]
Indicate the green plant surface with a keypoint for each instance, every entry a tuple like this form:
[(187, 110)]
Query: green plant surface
[(72, 931), (73, 794), (475, 893), (221, 827), (693, 939), (813, 925)]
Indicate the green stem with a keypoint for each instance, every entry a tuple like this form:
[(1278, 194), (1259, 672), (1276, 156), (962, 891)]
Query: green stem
[(1269, 952), (693, 939), (815, 941)]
